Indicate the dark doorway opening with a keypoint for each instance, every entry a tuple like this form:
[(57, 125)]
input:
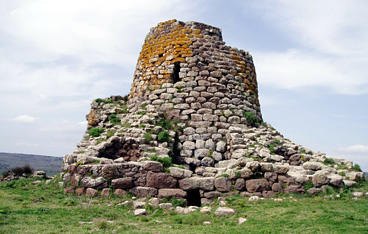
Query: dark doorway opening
[(175, 75), (193, 197)]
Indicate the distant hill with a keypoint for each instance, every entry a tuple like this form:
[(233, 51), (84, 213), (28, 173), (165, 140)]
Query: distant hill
[(51, 165)]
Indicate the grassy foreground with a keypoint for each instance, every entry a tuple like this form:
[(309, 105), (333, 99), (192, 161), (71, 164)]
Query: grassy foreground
[(41, 208)]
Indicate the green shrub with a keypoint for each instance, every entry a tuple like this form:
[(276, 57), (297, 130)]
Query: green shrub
[(154, 158), (224, 175), (147, 137), (163, 136), (166, 161), (356, 167), (114, 119), (95, 132), (177, 202), (329, 161), (251, 118), (165, 124), (140, 112), (100, 100), (143, 105)]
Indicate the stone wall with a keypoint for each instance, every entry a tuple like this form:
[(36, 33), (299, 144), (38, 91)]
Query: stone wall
[(192, 127)]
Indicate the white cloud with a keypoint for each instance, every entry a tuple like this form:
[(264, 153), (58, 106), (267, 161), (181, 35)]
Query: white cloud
[(332, 36), (297, 68), (356, 149), (24, 119)]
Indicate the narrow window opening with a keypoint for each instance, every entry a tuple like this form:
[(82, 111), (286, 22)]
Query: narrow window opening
[(175, 75), (194, 198)]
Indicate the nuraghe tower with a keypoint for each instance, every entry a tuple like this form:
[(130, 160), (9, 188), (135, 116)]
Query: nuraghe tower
[(192, 127)]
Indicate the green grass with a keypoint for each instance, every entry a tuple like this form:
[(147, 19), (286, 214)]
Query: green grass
[(27, 208)]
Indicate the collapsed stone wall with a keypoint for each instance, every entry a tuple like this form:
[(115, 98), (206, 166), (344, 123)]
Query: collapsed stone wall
[(194, 103)]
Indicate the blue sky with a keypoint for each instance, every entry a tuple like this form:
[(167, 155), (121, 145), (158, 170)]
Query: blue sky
[(311, 60)]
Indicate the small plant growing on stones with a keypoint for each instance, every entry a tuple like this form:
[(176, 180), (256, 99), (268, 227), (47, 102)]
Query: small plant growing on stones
[(110, 133), (329, 161), (224, 175), (163, 136), (165, 161), (140, 112), (177, 202), (356, 167), (143, 105), (114, 119), (147, 137), (251, 118), (95, 132)]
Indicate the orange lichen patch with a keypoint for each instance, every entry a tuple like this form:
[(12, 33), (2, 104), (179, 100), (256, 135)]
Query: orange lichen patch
[(91, 118)]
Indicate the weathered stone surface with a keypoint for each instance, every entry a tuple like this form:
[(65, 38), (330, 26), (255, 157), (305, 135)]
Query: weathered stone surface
[(212, 194), (270, 176), (80, 191), (180, 173), (294, 189), (253, 165), (268, 194), (140, 212), (105, 192), (160, 180), (201, 153), (313, 191), (222, 211), (120, 192), (246, 173), (90, 192), (205, 210), (69, 190), (320, 179), (144, 191), (223, 184), (110, 171), (171, 193), (89, 182), (152, 166), (207, 162), (257, 185), (240, 185), (122, 183), (315, 166), (138, 204), (280, 169), (166, 206), (205, 183), (277, 187), (186, 210)]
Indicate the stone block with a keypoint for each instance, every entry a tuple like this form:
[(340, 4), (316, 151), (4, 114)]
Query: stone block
[(160, 180)]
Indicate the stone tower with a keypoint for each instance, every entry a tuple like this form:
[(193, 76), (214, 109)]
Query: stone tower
[(192, 127)]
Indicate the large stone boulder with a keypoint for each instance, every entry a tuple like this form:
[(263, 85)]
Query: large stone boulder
[(180, 173), (143, 191), (160, 180), (204, 183), (222, 211), (89, 182), (152, 166), (122, 183), (257, 185), (223, 184), (171, 193)]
